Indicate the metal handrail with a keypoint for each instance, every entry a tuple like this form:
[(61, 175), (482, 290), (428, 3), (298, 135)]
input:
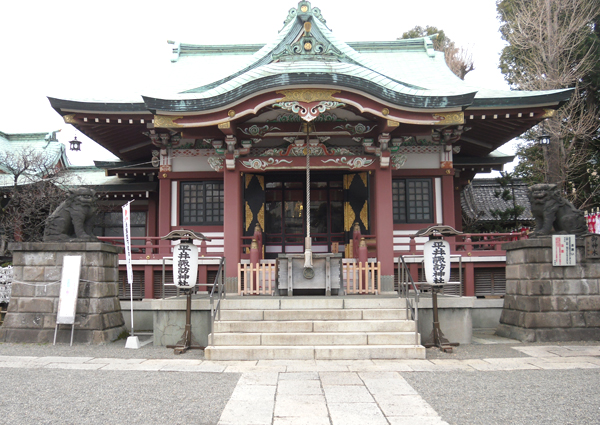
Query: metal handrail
[(219, 283), (404, 283)]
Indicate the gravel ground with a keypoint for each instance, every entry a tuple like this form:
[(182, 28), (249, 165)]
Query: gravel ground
[(512, 397), (40, 396)]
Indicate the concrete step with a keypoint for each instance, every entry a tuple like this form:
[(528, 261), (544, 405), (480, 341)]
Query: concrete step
[(328, 352), (315, 326), (314, 338), (312, 303), (328, 314)]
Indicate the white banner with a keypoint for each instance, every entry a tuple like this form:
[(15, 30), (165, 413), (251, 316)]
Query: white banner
[(127, 240)]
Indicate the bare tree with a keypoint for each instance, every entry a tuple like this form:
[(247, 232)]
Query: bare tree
[(458, 59), (551, 46), (37, 188)]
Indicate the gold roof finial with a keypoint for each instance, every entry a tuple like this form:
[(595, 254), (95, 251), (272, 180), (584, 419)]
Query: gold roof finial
[(307, 28)]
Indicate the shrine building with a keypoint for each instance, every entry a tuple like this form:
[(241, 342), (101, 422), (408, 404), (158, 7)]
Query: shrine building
[(368, 141)]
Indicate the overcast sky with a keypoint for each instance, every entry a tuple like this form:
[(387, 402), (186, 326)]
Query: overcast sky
[(77, 49)]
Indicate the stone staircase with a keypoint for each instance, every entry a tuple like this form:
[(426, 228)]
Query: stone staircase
[(301, 328)]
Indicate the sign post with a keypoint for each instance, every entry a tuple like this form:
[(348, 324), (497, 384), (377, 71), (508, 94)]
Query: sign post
[(436, 258), (69, 290), (185, 274), (132, 341)]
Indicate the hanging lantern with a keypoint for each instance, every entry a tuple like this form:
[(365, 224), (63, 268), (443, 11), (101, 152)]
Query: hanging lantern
[(75, 145)]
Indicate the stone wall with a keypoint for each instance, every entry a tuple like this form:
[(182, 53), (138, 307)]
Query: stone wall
[(546, 303), (32, 310)]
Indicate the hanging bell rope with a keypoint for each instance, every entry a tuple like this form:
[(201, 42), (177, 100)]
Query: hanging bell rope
[(308, 263)]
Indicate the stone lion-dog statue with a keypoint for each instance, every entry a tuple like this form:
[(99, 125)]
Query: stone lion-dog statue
[(73, 220), (553, 214)]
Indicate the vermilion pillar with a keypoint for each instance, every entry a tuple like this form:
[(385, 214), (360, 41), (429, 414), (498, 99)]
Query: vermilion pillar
[(232, 226), (382, 221), (164, 212), (448, 199)]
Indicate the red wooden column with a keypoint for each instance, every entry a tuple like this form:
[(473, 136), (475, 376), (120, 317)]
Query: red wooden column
[(448, 199), (232, 225), (150, 231), (382, 221), (164, 212)]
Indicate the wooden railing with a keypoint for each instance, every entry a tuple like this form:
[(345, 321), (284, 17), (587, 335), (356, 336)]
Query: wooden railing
[(257, 279), (361, 278), (469, 244), (156, 248)]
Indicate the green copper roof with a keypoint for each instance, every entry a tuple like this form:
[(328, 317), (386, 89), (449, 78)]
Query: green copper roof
[(389, 70)]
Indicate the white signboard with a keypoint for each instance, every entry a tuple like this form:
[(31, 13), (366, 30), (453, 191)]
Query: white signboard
[(69, 289), (185, 265), (564, 251), (437, 261)]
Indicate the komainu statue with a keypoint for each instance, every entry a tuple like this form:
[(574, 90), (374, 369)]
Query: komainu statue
[(73, 220), (553, 214)]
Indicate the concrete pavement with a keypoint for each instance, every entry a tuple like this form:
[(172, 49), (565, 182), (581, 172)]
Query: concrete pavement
[(314, 392)]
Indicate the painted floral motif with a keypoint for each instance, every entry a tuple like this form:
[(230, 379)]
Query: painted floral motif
[(256, 131), (355, 129), (216, 162), (353, 163), (307, 112), (319, 150), (261, 164), (398, 160), (325, 117)]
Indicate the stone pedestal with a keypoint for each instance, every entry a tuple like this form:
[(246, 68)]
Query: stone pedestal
[(544, 303), (32, 310)]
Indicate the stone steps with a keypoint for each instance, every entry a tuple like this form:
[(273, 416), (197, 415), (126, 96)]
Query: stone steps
[(328, 328), (315, 338), (328, 352)]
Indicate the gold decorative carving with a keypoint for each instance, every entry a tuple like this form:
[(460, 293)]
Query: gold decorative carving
[(261, 180), (364, 215), (260, 217), (349, 217), (392, 123), (166, 121), (231, 113), (70, 119), (248, 178), (348, 180), (450, 118), (548, 113), (308, 95), (363, 177), (307, 46), (385, 112), (224, 125), (249, 216), (304, 8)]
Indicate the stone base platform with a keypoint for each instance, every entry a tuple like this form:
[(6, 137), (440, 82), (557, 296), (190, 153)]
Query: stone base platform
[(33, 307), (546, 303)]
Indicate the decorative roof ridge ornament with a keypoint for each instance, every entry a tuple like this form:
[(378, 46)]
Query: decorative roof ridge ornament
[(303, 11)]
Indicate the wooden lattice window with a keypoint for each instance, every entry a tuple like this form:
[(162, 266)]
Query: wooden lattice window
[(412, 200), (202, 203)]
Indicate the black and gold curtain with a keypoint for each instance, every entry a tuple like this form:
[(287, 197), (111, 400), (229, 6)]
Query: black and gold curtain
[(254, 202), (356, 203)]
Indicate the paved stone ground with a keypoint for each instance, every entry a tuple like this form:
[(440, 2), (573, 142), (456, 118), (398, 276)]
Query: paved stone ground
[(492, 381)]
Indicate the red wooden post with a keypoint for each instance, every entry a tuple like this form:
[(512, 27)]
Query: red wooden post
[(232, 225), (469, 280)]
